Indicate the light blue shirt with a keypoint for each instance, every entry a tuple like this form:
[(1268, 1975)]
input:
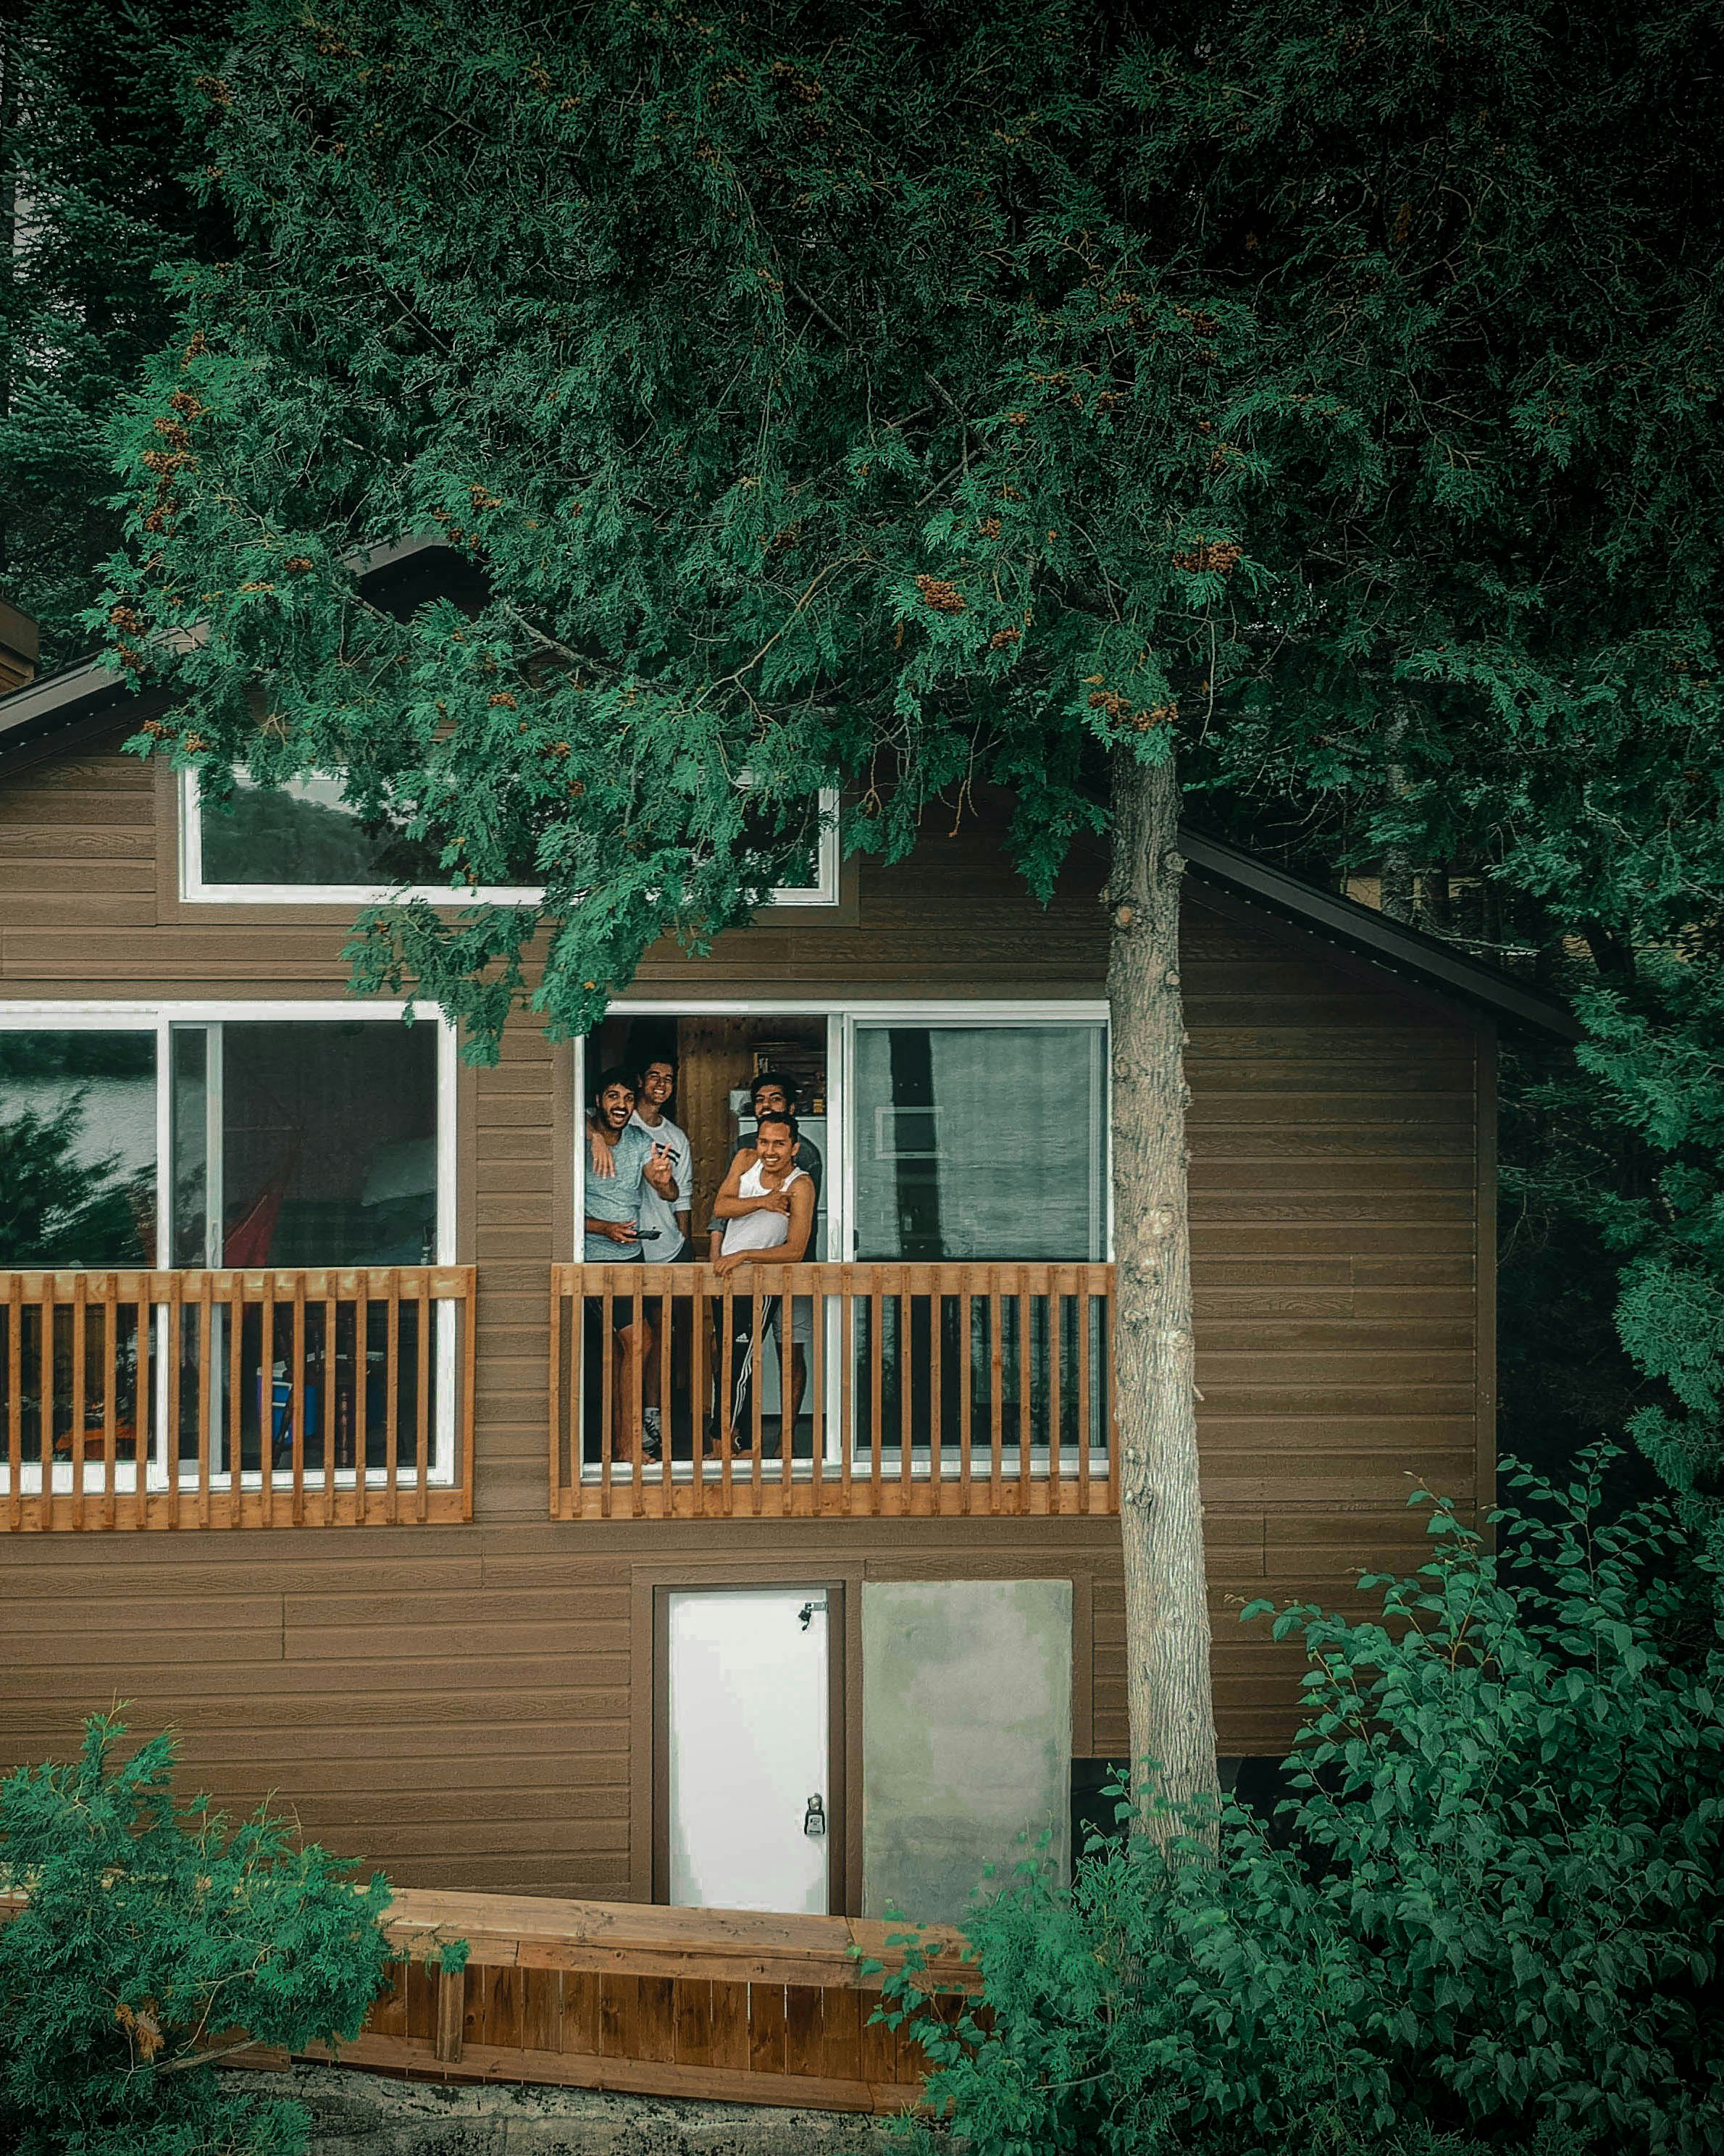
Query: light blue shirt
[(618, 1197)]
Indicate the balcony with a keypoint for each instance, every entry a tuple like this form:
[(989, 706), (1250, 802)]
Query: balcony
[(326, 1396), (965, 1389)]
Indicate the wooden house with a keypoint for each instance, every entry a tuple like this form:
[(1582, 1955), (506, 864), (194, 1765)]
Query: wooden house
[(298, 1449)]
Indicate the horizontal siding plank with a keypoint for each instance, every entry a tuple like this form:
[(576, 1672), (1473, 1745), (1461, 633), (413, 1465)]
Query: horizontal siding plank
[(182, 1704), (90, 843), (576, 1647)]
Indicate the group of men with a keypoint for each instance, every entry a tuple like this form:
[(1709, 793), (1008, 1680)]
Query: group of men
[(638, 1210)]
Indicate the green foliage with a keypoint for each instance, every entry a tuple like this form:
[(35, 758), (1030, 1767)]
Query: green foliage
[(92, 204), (1493, 1908), (153, 1931), (939, 400)]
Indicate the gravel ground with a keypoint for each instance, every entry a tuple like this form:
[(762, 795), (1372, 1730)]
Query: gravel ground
[(361, 2114)]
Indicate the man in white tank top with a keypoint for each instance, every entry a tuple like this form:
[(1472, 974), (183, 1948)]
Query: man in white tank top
[(767, 1209)]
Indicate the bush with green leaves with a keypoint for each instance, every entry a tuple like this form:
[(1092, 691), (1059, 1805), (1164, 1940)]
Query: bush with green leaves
[(1489, 1916), (151, 1935)]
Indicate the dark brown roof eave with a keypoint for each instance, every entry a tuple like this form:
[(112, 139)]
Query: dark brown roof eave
[(58, 714), (62, 710), (1409, 951)]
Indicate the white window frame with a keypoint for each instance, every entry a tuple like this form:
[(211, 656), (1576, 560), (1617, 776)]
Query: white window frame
[(844, 1015), (195, 890), (161, 1017)]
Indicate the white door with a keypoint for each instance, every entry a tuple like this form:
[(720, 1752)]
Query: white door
[(750, 1803)]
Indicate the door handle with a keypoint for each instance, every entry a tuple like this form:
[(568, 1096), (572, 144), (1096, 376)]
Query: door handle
[(814, 1820)]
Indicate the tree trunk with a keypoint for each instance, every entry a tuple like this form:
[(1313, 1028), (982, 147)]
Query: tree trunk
[(1168, 1698)]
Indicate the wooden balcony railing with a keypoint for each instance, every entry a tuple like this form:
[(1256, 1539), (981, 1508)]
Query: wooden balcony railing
[(914, 1389), (322, 1398)]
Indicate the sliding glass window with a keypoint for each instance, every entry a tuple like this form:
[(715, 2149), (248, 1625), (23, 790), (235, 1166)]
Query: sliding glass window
[(305, 1144), (983, 1147), (272, 1145)]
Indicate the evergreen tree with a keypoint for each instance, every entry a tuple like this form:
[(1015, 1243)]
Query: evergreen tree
[(1303, 402), (92, 203), (155, 1937)]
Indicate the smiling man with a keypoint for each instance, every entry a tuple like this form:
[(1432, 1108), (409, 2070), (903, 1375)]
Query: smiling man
[(625, 1165), (766, 1206), (658, 1084)]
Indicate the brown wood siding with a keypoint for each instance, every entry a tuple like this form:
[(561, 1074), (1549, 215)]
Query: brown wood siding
[(463, 1705)]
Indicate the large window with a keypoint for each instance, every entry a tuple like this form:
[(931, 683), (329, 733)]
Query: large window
[(240, 1136), (301, 844), (252, 1137)]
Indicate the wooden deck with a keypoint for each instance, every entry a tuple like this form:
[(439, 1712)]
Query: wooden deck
[(929, 1390), (704, 2004), (328, 1397)]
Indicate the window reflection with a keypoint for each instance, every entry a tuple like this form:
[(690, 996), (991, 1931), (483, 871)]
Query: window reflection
[(77, 1148), (304, 833)]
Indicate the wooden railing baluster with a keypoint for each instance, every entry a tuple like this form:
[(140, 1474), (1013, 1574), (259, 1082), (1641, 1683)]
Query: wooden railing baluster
[(176, 1351), (143, 1404), (996, 1389), (1026, 1299), (110, 1314), (391, 1391), (362, 1392), (756, 1400), (465, 1317), (700, 1400), (565, 1487), (1057, 1292), (205, 1392), (430, 1322), (607, 1402), (234, 1319), (1110, 1408), (817, 1395), (14, 1404), (846, 1394), (81, 1348)]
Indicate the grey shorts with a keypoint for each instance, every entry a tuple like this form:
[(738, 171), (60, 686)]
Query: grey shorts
[(801, 1319)]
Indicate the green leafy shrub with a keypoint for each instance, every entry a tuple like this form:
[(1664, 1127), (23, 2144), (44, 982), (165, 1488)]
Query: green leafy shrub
[(1491, 1910), (151, 1935)]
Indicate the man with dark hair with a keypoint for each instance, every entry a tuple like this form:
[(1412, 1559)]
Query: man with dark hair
[(776, 1093), (623, 1164), (763, 1215), (658, 1084)]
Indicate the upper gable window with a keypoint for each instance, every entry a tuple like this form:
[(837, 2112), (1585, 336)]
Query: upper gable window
[(302, 845)]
